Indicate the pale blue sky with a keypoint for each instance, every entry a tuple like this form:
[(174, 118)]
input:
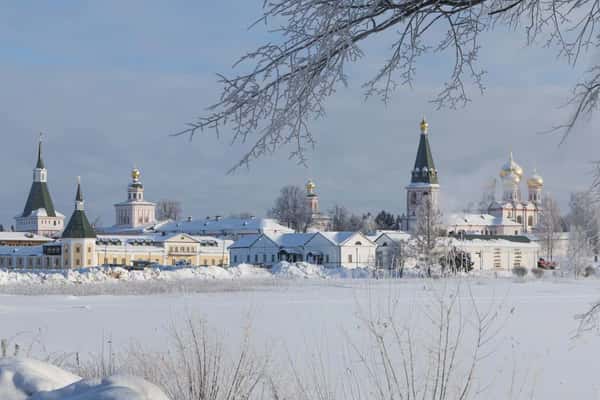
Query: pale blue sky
[(107, 81)]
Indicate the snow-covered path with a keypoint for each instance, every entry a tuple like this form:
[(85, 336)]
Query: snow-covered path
[(297, 318)]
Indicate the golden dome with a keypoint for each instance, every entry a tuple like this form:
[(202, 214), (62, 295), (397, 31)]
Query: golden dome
[(536, 180), (135, 174), (424, 126), (511, 167), (310, 186)]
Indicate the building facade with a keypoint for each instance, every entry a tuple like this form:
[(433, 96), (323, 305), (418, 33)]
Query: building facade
[(330, 249), (39, 215)]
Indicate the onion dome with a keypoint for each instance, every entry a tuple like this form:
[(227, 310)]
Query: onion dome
[(310, 187), (511, 167), (535, 181)]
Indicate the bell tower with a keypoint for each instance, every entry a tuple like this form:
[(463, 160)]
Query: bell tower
[(424, 184), (135, 211)]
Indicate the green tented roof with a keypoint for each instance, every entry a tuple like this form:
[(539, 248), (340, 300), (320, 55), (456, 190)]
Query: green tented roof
[(39, 197), (424, 170), (79, 227)]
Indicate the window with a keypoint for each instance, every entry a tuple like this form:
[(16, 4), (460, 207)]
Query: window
[(530, 220), (213, 261), (248, 258), (272, 257), (264, 258), (349, 258), (77, 249), (519, 219), (327, 258), (235, 258), (256, 258)]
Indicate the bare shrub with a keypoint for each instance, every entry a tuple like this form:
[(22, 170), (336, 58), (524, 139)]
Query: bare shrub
[(537, 272), (194, 367), (435, 358), (519, 272), (589, 271)]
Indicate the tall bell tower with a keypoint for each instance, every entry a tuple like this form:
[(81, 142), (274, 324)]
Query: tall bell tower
[(424, 184)]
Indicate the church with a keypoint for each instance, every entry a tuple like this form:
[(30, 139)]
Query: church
[(512, 215)]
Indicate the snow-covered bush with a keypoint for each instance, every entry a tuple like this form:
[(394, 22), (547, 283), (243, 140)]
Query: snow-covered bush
[(537, 272), (519, 272)]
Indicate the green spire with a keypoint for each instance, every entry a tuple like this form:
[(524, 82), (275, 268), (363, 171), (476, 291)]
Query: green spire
[(424, 170), (79, 226), (40, 161)]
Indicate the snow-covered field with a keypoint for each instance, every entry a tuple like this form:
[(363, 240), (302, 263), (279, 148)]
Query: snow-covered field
[(302, 320)]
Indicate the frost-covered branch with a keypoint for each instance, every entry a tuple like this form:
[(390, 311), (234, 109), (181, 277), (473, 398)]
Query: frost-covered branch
[(285, 83)]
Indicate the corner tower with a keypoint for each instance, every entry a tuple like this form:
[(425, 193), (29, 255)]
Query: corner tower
[(39, 215), (79, 238), (424, 184)]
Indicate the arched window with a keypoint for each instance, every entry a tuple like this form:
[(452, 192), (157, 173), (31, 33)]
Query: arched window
[(519, 219)]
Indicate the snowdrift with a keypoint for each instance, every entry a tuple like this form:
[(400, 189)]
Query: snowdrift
[(27, 379), (116, 274)]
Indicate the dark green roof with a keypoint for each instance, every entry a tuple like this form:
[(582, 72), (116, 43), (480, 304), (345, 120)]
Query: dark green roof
[(424, 170), (39, 197), (40, 161), (79, 227)]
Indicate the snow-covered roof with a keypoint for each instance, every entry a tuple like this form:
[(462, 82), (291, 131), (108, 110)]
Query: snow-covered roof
[(340, 238), (462, 219), (22, 250), (22, 236), (396, 236), (292, 239), (227, 225), (245, 241)]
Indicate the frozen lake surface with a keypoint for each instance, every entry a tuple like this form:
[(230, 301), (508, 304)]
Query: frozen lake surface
[(298, 320)]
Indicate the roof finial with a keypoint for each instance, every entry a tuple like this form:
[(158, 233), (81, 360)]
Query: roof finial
[(40, 162), (79, 196), (424, 126)]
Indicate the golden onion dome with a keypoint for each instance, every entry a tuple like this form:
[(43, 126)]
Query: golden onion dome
[(511, 167), (535, 180), (424, 126), (135, 174), (310, 186)]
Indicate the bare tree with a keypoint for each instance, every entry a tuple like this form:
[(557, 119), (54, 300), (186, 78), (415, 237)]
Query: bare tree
[(549, 224), (291, 208), (168, 209), (579, 252), (286, 81), (584, 213), (428, 240), (488, 196)]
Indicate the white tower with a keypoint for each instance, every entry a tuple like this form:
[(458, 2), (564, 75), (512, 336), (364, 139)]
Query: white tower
[(135, 212)]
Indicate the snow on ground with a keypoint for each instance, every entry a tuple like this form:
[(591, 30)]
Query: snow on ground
[(28, 379), (299, 319)]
